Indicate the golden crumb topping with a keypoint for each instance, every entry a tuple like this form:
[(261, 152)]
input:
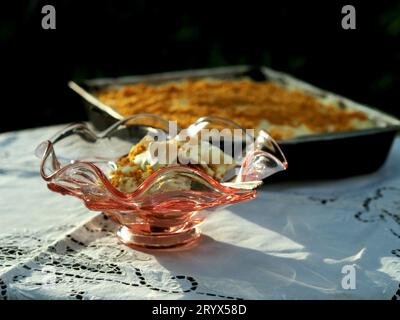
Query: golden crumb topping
[(284, 113), (129, 174)]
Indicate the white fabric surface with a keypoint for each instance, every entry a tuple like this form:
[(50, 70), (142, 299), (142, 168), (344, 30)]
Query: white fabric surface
[(289, 243)]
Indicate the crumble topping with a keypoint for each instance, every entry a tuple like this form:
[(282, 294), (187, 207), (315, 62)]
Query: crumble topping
[(283, 112), (135, 167)]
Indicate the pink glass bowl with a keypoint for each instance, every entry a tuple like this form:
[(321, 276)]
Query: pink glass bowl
[(77, 162)]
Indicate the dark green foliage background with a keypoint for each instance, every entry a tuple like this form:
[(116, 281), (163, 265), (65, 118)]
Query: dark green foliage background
[(114, 38)]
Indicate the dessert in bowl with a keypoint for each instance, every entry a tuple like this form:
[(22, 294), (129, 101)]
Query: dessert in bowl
[(159, 184)]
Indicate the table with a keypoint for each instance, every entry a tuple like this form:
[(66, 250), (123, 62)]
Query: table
[(315, 240)]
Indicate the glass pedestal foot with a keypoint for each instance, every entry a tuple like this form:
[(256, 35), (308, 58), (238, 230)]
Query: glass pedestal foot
[(177, 240)]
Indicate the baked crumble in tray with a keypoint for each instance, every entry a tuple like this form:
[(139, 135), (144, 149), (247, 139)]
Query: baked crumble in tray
[(323, 135)]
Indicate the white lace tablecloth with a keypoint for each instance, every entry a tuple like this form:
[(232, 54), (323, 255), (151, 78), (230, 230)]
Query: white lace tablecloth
[(290, 243)]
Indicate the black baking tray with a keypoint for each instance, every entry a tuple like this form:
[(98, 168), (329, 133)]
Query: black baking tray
[(325, 156)]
